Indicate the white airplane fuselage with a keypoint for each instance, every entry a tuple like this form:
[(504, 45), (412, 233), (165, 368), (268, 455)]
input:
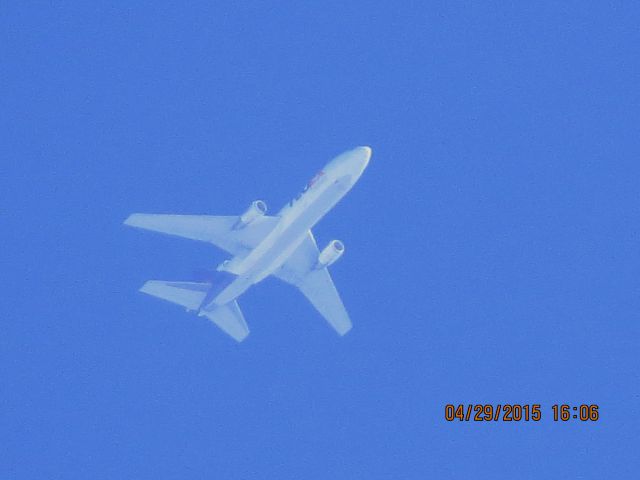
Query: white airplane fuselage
[(296, 218)]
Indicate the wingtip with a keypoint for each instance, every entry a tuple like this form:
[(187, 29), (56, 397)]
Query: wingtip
[(343, 331), (146, 286), (130, 220), (241, 338)]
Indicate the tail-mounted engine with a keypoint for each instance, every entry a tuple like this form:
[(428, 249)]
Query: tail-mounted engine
[(255, 210), (330, 254)]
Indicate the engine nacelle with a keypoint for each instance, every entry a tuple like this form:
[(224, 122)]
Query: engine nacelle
[(330, 254), (255, 210)]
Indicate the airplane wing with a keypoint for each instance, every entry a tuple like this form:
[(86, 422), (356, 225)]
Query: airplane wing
[(315, 284), (190, 295), (217, 230)]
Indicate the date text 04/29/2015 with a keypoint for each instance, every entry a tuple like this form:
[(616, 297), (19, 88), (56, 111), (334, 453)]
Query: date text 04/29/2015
[(514, 412)]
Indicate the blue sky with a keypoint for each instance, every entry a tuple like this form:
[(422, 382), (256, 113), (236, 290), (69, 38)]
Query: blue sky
[(491, 245)]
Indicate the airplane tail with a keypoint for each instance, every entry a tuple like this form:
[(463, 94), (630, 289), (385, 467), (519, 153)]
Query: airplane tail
[(191, 295), (230, 319)]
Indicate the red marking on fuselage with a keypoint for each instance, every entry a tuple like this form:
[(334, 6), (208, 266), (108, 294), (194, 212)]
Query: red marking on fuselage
[(315, 178)]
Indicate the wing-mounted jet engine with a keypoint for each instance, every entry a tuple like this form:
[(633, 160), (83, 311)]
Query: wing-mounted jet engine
[(255, 210), (330, 254)]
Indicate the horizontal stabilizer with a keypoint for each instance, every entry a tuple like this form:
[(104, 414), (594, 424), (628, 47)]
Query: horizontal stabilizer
[(191, 295), (230, 319), (187, 294)]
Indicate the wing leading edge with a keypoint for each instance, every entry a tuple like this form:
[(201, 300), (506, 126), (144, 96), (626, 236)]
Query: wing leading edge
[(315, 284), (217, 230)]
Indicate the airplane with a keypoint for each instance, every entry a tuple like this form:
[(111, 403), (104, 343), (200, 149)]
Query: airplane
[(262, 245)]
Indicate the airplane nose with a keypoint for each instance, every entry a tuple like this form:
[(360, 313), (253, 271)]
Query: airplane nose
[(363, 152), (351, 163), (360, 159)]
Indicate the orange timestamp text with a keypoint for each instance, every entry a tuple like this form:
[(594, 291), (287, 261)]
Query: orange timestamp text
[(515, 412)]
